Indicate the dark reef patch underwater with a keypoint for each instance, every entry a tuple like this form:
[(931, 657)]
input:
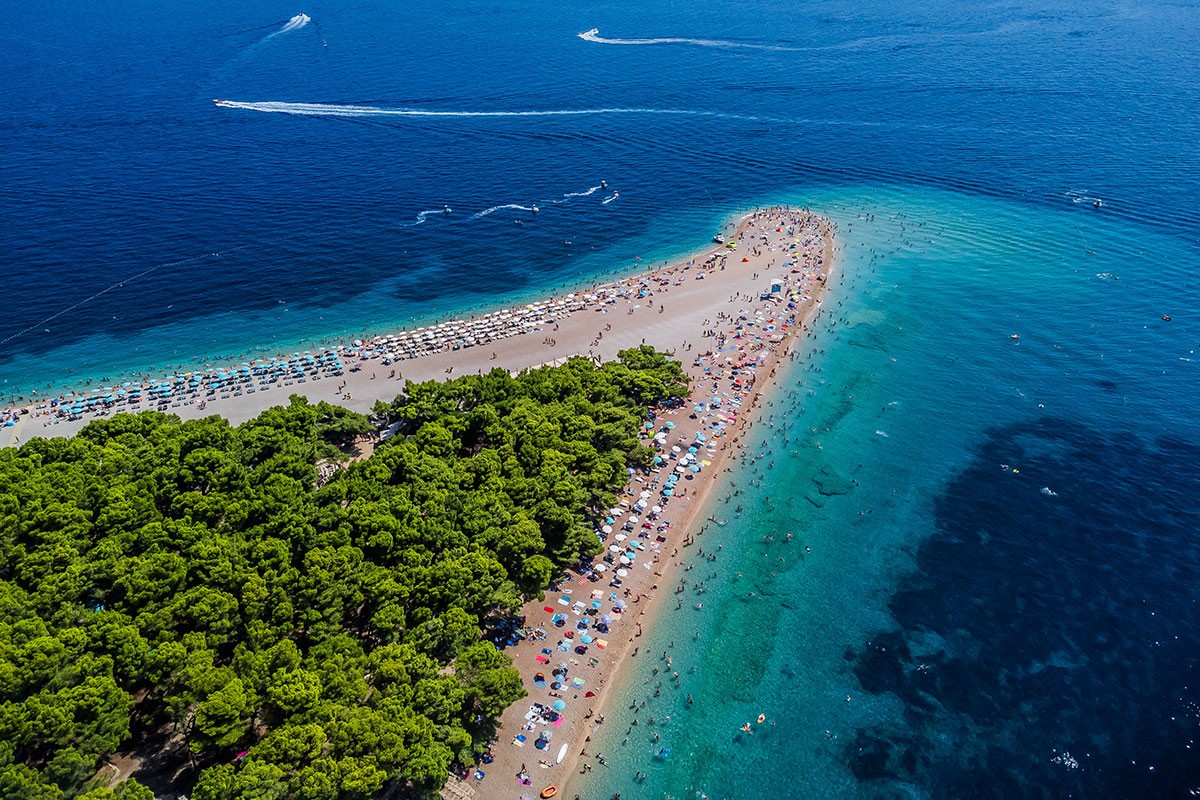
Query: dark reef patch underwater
[(1047, 643)]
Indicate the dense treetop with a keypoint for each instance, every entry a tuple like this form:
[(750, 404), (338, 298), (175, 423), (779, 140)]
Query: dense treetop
[(188, 592)]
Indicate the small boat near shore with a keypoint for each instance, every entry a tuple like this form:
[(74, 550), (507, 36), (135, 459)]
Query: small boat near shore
[(719, 238)]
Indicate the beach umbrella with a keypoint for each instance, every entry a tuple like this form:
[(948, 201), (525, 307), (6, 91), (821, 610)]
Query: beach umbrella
[(607, 529), (670, 426), (559, 705), (622, 572), (620, 537)]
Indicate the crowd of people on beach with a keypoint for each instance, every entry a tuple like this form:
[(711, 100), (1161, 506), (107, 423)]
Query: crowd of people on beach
[(207, 386), (597, 599)]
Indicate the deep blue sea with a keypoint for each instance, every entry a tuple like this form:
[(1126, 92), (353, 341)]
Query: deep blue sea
[(999, 591)]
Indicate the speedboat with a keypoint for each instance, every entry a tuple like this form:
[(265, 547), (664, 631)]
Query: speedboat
[(719, 238), (445, 209)]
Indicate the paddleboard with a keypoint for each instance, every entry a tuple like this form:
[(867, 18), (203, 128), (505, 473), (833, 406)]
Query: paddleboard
[(562, 753)]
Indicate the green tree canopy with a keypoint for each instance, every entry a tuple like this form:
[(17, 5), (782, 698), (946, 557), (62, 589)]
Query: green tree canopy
[(307, 642)]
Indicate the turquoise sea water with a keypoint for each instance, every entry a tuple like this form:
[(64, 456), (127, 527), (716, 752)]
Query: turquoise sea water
[(885, 453), (994, 640)]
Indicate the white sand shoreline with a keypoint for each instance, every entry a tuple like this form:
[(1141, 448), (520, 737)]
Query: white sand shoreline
[(737, 325), (197, 393)]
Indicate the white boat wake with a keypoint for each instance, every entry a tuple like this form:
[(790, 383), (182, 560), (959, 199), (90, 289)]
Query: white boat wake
[(295, 23), (446, 210), (422, 216), (341, 110), (593, 35), (494, 209), (590, 191)]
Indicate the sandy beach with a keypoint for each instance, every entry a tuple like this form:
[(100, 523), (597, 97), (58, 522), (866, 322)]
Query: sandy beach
[(666, 308), (738, 331), (728, 314)]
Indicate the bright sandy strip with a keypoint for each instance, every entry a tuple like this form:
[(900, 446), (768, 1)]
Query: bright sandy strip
[(734, 292), (634, 321)]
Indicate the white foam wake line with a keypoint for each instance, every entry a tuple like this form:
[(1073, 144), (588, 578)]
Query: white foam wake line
[(336, 110), (119, 284), (298, 21), (610, 198), (592, 190), (594, 36), (422, 216), (493, 209)]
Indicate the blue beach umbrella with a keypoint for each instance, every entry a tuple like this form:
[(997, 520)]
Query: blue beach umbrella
[(559, 705)]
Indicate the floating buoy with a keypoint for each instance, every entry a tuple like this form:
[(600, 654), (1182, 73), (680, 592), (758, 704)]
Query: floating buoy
[(762, 718)]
